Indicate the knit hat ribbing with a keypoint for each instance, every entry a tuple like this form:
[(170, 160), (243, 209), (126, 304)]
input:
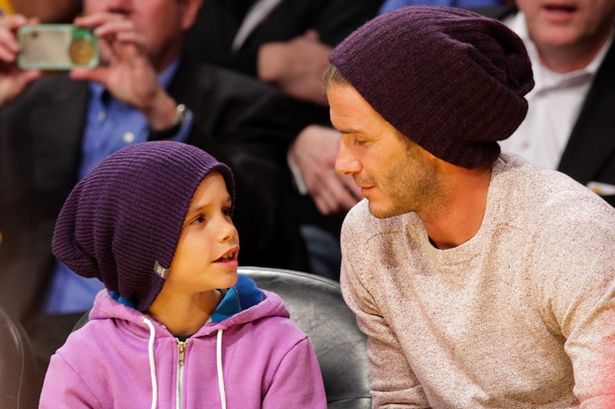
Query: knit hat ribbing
[(449, 79), (121, 223)]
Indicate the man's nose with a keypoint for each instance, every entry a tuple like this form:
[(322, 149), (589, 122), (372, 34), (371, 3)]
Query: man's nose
[(345, 163)]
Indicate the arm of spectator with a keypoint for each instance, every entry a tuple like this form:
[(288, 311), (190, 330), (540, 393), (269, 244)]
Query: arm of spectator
[(296, 66), (127, 72), (13, 80), (393, 383), (312, 159)]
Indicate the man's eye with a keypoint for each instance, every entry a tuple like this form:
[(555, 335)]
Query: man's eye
[(359, 142), (197, 220), (228, 211)]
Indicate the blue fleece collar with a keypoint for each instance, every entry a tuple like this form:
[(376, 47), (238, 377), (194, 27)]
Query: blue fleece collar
[(240, 297), (124, 301)]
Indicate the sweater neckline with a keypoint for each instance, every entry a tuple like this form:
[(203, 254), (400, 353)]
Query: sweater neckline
[(472, 247)]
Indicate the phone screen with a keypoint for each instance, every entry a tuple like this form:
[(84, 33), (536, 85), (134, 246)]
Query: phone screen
[(57, 47)]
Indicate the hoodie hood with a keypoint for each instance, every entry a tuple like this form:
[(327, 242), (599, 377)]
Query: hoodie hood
[(241, 304)]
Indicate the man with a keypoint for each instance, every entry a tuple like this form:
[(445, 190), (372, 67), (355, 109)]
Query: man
[(56, 131), (480, 281), (47, 11), (571, 48)]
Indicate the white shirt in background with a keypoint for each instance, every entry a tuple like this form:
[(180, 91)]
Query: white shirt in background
[(554, 105)]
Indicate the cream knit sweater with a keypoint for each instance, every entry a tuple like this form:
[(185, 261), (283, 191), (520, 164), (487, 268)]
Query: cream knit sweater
[(520, 316)]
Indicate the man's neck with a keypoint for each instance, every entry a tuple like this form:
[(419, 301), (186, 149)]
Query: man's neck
[(458, 217), (568, 59)]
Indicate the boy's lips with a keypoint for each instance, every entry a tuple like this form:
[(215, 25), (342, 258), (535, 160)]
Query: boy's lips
[(230, 255)]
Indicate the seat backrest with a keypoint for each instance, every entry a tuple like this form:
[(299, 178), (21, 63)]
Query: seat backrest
[(19, 385), (316, 306)]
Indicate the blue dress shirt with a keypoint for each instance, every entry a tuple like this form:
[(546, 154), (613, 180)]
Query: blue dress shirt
[(110, 125), (390, 5)]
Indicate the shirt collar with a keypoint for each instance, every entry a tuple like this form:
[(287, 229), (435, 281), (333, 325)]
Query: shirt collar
[(544, 77)]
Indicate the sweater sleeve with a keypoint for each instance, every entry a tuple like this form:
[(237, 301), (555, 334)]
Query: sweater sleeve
[(578, 300), (393, 383), (297, 382), (64, 388)]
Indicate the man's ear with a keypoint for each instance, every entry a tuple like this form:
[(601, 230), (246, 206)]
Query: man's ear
[(190, 12)]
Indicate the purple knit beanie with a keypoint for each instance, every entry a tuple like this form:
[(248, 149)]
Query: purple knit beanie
[(121, 223), (449, 79)]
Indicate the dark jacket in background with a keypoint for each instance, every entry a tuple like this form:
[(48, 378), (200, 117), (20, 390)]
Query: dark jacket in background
[(589, 155), (219, 20)]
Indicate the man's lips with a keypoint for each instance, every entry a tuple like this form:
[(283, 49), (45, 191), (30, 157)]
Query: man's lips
[(365, 189), (559, 12)]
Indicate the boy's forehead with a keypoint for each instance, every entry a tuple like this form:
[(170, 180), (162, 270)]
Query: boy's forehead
[(211, 189)]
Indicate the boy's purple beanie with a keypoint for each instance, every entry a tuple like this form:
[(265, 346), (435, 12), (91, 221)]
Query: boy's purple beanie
[(121, 223), (449, 79)]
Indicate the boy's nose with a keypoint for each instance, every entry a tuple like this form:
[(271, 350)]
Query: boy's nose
[(228, 231)]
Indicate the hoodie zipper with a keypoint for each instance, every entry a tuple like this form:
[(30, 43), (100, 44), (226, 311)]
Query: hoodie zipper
[(181, 347)]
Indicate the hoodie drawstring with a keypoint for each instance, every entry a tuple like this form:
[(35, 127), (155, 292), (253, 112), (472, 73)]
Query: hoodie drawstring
[(219, 368), (152, 362)]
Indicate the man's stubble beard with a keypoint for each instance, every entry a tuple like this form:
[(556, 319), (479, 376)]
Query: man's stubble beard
[(411, 185)]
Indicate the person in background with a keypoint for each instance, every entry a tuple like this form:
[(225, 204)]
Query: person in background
[(175, 326), (46, 11), (480, 280), (283, 42), (390, 5), (573, 57), (286, 43), (55, 130)]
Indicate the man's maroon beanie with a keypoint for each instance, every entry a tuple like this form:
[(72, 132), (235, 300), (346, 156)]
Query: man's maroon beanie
[(122, 222), (449, 79)]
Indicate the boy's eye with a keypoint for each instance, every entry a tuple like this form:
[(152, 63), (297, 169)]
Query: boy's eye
[(228, 211), (197, 220)]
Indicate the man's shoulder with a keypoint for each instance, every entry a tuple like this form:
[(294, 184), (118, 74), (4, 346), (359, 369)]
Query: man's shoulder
[(546, 198)]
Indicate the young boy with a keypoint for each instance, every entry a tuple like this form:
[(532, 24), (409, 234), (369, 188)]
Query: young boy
[(175, 326)]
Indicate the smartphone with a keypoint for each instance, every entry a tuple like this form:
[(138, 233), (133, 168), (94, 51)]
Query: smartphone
[(56, 47)]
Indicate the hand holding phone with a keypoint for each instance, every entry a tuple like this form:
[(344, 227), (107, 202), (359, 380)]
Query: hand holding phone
[(12, 79), (57, 47)]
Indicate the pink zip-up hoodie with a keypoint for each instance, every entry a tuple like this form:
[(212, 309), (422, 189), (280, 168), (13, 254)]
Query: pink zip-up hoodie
[(250, 355)]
